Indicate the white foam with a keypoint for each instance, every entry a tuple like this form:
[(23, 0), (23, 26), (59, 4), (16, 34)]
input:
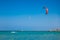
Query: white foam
[(13, 32)]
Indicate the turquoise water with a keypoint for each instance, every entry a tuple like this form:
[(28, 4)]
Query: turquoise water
[(29, 35)]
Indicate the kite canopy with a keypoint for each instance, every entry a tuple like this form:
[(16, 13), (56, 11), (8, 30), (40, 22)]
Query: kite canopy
[(46, 9)]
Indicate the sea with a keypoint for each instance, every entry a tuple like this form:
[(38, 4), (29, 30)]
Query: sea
[(29, 35)]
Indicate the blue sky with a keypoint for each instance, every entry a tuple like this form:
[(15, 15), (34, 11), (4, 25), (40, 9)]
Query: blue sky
[(29, 14)]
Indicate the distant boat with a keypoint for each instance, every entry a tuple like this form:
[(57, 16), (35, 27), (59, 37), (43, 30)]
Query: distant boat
[(57, 29)]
